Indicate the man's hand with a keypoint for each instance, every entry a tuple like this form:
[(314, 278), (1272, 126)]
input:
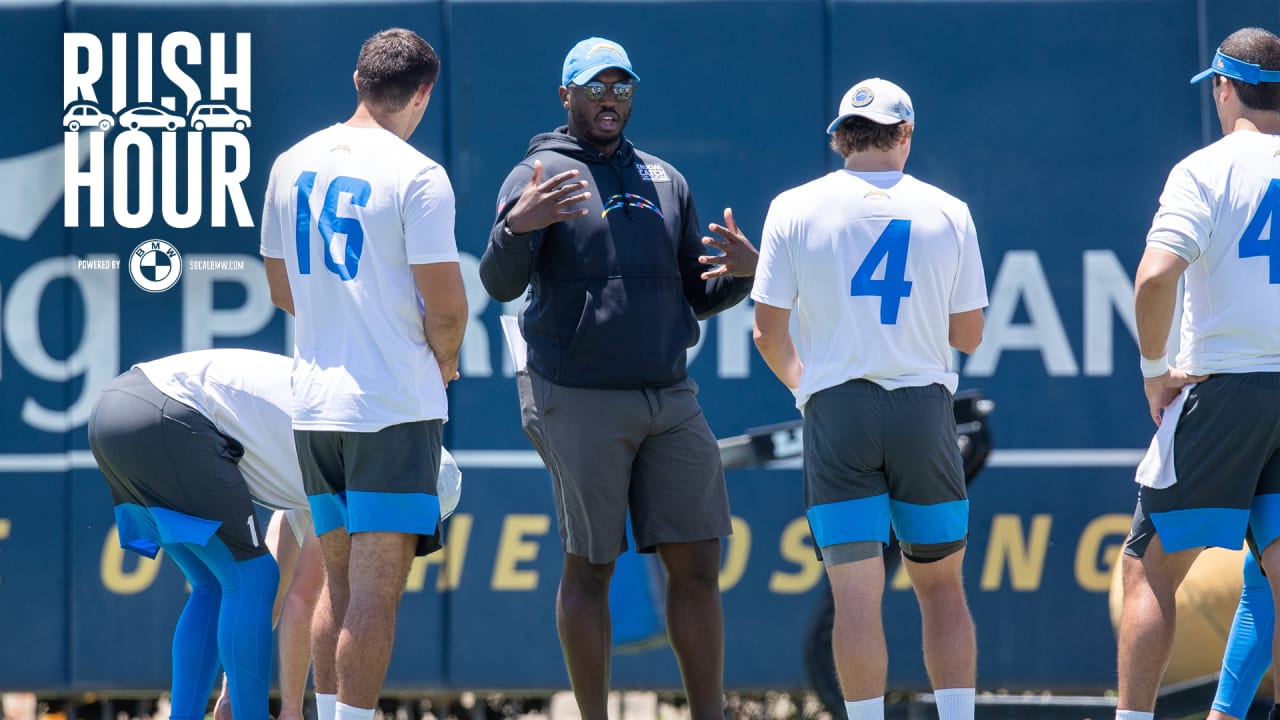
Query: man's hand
[(546, 203), (740, 256), (1162, 389), (448, 369)]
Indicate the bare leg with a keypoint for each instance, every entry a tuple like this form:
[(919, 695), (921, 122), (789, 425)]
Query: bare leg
[(294, 633), (327, 620), (695, 622), (857, 638), (950, 649), (376, 575), (1147, 622), (582, 617)]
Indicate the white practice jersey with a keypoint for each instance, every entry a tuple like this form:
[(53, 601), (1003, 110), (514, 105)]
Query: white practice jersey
[(875, 264), (245, 394), (350, 209), (1220, 211)]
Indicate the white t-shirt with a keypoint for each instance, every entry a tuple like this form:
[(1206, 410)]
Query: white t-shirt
[(875, 264), (245, 394), (373, 206), (1220, 211)]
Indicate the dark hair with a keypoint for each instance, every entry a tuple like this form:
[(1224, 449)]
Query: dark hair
[(857, 134), (1258, 47), (393, 64)]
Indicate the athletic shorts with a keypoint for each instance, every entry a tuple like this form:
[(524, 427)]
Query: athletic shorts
[(174, 478), (649, 451), (382, 481), (1226, 455), (875, 457)]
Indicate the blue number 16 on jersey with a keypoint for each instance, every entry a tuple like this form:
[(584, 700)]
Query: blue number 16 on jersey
[(330, 223), (893, 244)]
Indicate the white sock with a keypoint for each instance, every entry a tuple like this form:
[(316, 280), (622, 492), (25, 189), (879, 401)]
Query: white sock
[(1134, 715), (347, 712), (954, 703), (872, 709), (326, 706)]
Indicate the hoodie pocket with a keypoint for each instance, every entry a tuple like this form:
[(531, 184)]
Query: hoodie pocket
[(632, 329)]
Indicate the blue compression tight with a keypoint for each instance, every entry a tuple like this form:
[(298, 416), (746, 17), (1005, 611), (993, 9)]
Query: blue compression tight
[(1248, 651), (227, 618)]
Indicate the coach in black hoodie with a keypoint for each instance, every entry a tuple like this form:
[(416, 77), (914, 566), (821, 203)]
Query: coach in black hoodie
[(606, 238)]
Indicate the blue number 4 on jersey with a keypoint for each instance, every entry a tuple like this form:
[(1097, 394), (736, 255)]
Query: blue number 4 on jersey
[(1252, 244), (892, 244)]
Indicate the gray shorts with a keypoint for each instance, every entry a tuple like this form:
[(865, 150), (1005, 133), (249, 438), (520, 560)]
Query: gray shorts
[(648, 450), (382, 481), (1226, 455), (875, 457), (157, 453)]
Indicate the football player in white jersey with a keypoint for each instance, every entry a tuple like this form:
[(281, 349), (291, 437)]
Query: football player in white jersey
[(1214, 469), (223, 417), (357, 236), (885, 275)]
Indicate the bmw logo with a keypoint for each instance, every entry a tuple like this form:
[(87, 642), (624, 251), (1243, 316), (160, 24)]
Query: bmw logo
[(155, 266)]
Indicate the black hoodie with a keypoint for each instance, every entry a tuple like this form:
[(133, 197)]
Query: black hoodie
[(614, 296)]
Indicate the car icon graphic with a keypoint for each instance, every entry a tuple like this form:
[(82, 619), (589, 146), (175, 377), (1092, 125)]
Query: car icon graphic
[(145, 116), (86, 116), (217, 115)]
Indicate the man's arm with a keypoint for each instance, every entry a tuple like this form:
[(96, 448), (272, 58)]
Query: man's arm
[(278, 282), (964, 330), (773, 340), (713, 283), (508, 259), (1155, 296), (444, 300)]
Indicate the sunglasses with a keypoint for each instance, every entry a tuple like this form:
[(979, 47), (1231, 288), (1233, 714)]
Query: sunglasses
[(622, 91)]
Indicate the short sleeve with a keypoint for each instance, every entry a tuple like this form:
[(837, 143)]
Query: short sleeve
[(1185, 218), (776, 283), (429, 218), (970, 290), (272, 244)]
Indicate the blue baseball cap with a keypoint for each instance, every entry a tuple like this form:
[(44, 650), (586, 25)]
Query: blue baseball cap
[(593, 56), (1228, 66)]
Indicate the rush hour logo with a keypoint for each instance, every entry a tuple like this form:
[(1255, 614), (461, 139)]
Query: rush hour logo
[(161, 119)]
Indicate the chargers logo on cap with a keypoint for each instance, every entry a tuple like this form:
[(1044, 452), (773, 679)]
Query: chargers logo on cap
[(604, 47), (863, 97)]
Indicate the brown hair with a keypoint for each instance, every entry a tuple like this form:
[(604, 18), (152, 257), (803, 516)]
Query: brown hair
[(857, 134), (1258, 47), (393, 64)]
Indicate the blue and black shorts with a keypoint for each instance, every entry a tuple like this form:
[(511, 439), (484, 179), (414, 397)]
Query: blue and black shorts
[(1226, 455), (174, 477), (874, 458), (382, 481)]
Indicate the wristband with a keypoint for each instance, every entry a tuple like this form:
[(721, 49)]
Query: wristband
[(506, 230), (1154, 368)]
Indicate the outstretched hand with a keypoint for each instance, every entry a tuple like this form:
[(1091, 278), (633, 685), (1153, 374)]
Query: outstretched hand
[(739, 255), (546, 203)]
